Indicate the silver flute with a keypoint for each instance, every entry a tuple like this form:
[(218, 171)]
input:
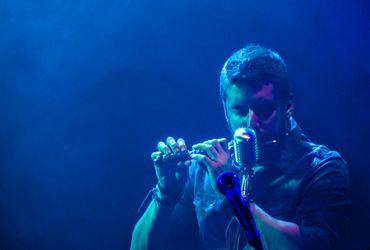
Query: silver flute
[(186, 154)]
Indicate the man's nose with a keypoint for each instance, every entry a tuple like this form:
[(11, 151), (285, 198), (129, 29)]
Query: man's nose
[(254, 120), (245, 121)]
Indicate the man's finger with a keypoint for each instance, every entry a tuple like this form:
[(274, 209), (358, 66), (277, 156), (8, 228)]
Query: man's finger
[(162, 147), (155, 155), (203, 159), (209, 149), (182, 145), (221, 144), (171, 142)]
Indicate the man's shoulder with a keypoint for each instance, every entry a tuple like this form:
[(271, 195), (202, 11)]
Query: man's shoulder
[(307, 157), (321, 154), (325, 161)]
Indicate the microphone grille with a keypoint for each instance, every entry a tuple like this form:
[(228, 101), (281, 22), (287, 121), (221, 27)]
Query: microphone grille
[(246, 147)]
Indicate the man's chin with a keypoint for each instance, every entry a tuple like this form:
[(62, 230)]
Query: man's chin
[(269, 149), (264, 138)]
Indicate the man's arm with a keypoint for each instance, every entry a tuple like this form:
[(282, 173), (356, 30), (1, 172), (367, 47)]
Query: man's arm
[(152, 228), (167, 225), (172, 202), (275, 234), (320, 218)]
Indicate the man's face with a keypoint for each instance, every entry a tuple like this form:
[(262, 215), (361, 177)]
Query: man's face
[(258, 109)]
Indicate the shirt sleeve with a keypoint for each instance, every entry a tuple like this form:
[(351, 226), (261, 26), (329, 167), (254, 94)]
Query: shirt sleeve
[(184, 232), (323, 214)]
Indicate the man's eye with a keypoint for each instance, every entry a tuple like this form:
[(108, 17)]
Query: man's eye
[(242, 112), (264, 111)]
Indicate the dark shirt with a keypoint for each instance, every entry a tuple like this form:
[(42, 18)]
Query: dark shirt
[(308, 186)]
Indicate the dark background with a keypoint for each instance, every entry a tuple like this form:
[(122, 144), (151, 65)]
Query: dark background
[(88, 87)]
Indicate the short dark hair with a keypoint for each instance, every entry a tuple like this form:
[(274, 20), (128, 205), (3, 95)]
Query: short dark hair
[(252, 66)]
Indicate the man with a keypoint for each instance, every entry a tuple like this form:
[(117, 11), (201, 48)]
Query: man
[(299, 189)]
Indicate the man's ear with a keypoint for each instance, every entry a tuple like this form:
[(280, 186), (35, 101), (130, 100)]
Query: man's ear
[(289, 108)]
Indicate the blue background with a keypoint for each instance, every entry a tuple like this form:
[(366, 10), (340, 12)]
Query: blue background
[(87, 88)]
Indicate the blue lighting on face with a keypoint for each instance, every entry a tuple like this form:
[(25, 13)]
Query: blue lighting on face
[(81, 80)]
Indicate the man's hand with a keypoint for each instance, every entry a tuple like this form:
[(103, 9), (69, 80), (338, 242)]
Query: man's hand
[(216, 159), (171, 176)]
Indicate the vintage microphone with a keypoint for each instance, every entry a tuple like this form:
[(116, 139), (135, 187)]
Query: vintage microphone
[(246, 148), (246, 155)]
